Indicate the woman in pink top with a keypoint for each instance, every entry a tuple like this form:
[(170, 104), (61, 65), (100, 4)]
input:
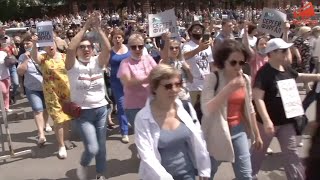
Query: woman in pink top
[(258, 58), (133, 73)]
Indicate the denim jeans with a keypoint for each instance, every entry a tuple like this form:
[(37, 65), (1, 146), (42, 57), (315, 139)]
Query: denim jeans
[(242, 165), (14, 79), (36, 100), (131, 115), (93, 131), (117, 91)]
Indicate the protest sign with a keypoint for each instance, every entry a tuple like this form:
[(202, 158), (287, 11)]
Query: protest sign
[(290, 98), (272, 22), (306, 11), (45, 33), (224, 16), (163, 22)]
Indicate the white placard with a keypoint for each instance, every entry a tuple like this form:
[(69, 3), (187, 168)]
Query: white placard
[(272, 22), (290, 98), (224, 16), (163, 22), (45, 33)]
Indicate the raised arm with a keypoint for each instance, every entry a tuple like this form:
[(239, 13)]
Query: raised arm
[(34, 52), (245, 39), (202, 46), (165, 50), (73, 45), (105, 44)]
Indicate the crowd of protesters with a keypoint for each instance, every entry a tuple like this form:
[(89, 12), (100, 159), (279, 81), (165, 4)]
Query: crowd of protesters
[(191, 100)]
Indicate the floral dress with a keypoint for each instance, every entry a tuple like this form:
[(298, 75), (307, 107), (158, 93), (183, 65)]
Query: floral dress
[(55, 86)]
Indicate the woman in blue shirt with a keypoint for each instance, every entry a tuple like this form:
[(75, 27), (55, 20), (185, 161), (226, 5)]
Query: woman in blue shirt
[(33, 87), (119, 52)]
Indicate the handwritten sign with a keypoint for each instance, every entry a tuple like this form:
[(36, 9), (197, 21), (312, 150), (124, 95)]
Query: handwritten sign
[(272, 22), (45, 33), (163, 22), (290, 98)]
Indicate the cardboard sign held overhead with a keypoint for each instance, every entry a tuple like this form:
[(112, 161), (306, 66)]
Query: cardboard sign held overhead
[(272, 22), (45, 34), (163, 22)]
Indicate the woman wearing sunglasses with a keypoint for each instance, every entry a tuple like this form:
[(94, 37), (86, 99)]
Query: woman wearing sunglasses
[(171, 147), (172, 55), (229, 117), (85, 72), (133, 73)]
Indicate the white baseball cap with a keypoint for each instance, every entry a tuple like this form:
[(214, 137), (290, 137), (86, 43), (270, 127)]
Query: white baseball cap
[(276, 43)]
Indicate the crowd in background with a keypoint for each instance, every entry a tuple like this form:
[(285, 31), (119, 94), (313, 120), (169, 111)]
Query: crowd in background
[(94, 53)]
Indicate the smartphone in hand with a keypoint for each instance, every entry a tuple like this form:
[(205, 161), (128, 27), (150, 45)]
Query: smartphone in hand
[(205, 37)]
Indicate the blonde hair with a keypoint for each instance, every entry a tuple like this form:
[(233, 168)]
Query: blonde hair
[(180, 56), (161, 72), (303, 30), (135, 37)]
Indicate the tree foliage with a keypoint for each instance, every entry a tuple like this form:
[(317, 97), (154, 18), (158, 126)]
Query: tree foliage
[(15, 9)]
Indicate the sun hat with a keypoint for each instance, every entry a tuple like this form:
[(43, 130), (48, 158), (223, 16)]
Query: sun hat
[(195, 23)]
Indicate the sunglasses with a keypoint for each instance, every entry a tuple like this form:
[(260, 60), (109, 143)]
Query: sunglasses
[(148, 42), (169, 86), (83, 47), (135, 47), (234, 63), (174, 48)]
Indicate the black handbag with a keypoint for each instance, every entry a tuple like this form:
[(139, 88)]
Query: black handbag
[(300, 123)]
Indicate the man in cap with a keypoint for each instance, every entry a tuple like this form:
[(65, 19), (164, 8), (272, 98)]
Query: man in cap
[(198, 54), (271, 116)]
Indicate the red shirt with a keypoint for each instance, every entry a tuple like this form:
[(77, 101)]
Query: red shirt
[(235, 107)]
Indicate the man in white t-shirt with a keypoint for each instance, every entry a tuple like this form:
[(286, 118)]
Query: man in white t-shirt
[(198, 54)]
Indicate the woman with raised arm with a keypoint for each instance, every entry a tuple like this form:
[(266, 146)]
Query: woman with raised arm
[(33, 87), (258, 58), (55, 89), (85, 72)]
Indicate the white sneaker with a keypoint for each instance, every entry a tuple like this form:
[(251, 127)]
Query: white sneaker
[(300, 144), (82, 173), (269, 151), (100, 178), (125, 139), (48, 128), (9, 110), (62, 153)]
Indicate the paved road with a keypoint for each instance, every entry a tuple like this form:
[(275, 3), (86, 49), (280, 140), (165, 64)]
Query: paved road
[(122, 161)]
